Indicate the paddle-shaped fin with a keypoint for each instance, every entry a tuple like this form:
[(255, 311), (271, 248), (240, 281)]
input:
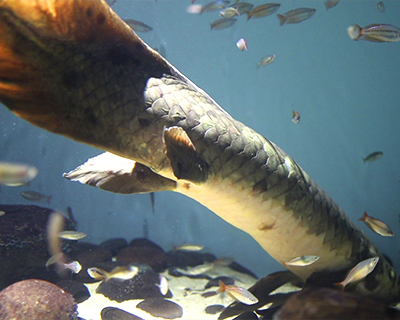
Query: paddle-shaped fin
[(186, 162), (116, 174)]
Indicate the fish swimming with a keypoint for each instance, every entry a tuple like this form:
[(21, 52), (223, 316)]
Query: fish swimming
[(377, 225), (35, 196), (373, 156), (121, 273), (302, 261), (374, 33), (15, 174), (162, 133), (71, 235), (238, 293)]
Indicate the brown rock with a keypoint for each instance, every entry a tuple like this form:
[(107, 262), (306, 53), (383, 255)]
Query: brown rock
[(36, 300)]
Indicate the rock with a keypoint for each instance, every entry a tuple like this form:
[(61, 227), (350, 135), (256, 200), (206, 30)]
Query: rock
[(154, 257), (183, 259), (142, 286), (111, 313), (114, 245), (161, 308), (23, 244), (78, 290), (326, 303), (214, 309), (36, 300)]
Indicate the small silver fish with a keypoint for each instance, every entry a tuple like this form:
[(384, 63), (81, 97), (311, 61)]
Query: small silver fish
[(373, 156), (266, 60), (58, 259), (118, 273), (35, 196), (263, 10), (163, 285), (222, 23), (374, 33), (2, 213), (228, 12), (238, 293), (331, 3), (188, 247), (138, 26), (302, 261), (242, 7), (381, 7), (71, 235), (296, 117), (359, 272), (295, 16), (377, 225), (215, 5), (14, 174), (241, 44)]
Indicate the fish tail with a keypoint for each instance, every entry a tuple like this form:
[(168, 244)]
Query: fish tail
[(364, 217), (282, 19), (249, 15), (340, 286), (222, 287)]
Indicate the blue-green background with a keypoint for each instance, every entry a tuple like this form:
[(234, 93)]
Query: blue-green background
[(348, 94)]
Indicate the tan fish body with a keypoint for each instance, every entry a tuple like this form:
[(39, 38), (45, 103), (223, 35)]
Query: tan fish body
[(14, 174), (242, 7), (35, 196), (359, 272), (229, 12), (302, 261), (118, 273), (263, 10), (238, 293), (222, 23), (375, 33), (295, 16), (331, 3), (215, 5), (377, 225), (373, 156), (266, 60), (71, 235), (188, 247)]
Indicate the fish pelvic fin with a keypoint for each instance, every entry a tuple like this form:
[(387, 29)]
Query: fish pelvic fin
[(119, 175), (186, 162)]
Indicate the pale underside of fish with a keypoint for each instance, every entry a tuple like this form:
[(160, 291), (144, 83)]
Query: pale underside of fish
[(76, 69)]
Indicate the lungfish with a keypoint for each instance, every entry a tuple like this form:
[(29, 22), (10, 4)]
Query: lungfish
[(73, 67)]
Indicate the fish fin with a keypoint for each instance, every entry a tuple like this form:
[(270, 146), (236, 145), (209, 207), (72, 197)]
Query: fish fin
[(339, 285), (282, 19), (110, 172), (364, 217), (222, 287), (249, 15), (186, 162)]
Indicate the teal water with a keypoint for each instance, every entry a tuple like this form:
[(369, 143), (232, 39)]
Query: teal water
[(346, 91)]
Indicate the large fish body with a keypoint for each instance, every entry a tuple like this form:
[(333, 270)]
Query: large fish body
[(96, 82)]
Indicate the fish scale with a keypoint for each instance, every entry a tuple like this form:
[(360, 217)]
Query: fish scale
[(96, 82)]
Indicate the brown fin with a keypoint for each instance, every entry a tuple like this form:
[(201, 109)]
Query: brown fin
[(116, 174), (74, 68), (186, 162)]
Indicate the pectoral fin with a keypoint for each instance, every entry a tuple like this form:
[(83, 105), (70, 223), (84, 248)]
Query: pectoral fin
[(120, 175), (186, 162)]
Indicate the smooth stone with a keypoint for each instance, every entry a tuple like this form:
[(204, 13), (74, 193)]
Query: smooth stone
[(214, 309), (114, 245), (111, 313), (150, 255), (77, 289), (36, 300), (161, 308), (143, 285)]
